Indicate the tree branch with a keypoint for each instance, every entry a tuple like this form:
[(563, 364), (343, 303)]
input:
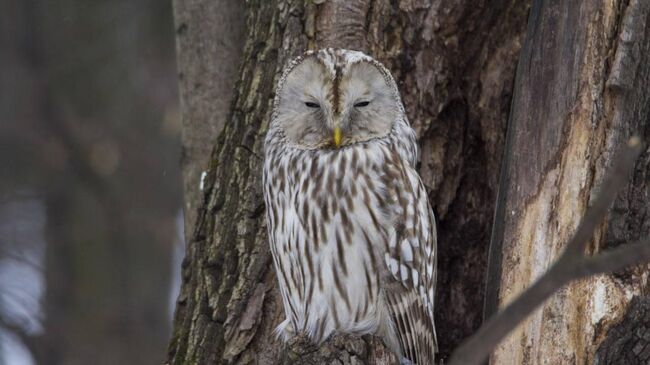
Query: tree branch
[(612, 183), (615, 259), (572, 265)]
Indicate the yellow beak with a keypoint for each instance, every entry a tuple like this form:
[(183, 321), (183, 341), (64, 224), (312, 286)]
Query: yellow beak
[(337, 136)]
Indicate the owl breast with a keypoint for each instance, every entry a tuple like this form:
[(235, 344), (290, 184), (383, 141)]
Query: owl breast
[(328, 236)]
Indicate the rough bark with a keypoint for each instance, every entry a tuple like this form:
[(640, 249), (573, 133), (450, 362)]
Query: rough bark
[(627, 342), (580, 93), (454, 62)]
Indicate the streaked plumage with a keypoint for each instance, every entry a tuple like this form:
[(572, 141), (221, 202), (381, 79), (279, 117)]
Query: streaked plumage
[(350, 228)]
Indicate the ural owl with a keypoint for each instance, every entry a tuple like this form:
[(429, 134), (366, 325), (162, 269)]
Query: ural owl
[(351, 231)]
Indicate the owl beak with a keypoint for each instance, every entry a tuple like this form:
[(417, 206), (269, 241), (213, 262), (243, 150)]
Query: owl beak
[(337, 136)]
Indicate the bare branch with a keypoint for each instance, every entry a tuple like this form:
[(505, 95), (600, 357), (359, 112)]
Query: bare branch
[(571, 265), (613, 181), (615, 259)]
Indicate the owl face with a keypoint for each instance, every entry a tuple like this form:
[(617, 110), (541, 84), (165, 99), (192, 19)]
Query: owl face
[(333, 98)]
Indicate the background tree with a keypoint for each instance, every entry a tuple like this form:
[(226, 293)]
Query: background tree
[(89, 138)]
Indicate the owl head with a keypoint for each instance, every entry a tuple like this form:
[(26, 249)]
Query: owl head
[(333, 97)]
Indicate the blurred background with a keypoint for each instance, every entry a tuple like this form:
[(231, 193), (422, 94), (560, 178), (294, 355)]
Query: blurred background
[(90, 191)]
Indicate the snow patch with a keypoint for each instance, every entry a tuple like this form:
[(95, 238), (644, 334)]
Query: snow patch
[(202, 182)]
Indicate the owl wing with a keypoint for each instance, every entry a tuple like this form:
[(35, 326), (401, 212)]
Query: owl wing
[(411, 260)]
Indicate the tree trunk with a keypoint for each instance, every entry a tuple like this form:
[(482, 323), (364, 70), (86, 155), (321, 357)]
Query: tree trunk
[(581, 92), (208, 58), (454, 62)]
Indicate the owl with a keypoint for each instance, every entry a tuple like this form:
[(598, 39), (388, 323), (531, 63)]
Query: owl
[(351, 231)]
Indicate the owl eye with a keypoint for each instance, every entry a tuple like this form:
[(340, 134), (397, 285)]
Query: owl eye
[(309, 104), (361, 104)]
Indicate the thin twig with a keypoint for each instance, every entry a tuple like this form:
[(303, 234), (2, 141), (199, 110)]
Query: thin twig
[(571, 265)]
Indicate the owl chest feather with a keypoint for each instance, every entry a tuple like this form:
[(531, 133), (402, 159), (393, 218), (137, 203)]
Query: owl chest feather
[(329, 231)]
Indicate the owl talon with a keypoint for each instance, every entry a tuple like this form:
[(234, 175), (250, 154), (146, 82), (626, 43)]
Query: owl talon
[(301, 345)]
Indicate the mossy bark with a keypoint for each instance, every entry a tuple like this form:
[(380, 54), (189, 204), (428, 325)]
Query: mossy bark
[(454, 62)]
